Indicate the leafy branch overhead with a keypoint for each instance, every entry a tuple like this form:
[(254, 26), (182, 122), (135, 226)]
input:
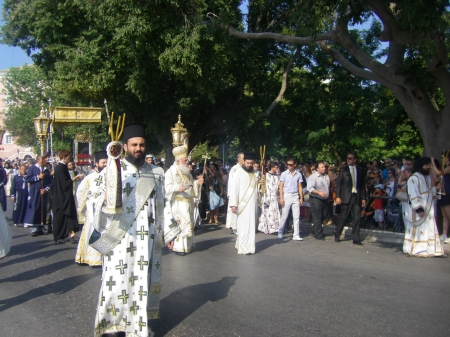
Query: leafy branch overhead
[(278, 75)]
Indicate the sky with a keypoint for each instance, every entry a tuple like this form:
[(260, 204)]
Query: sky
[(12, 56)]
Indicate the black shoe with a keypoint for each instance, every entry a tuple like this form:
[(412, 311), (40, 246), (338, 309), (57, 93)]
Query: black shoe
[(37, 233), (180, 253), (337, 240), (74, 239), (322, 238), (57, 242), (357, 243)]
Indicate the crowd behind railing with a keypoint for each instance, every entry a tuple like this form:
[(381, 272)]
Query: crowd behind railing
[(385, 182)]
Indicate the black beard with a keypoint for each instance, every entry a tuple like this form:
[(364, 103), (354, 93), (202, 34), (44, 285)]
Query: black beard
[(138, 162), (424, 172), (248, 170)]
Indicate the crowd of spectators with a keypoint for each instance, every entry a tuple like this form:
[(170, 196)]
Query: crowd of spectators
[(384, 178)]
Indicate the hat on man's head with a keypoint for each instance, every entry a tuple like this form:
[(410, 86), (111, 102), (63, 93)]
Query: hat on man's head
[(100, 155), (249, 155), (180, 152), (133, 130), (149, 156)]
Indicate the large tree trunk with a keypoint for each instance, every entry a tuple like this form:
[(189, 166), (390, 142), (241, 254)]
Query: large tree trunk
[(433, 125)]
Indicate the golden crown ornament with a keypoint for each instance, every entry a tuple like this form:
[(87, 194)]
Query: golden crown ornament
[(180, 140)]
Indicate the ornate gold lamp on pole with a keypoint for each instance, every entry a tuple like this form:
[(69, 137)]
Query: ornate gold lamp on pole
[(41, 125), (179, 133)]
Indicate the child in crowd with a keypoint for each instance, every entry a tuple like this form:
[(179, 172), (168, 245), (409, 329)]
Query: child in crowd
[(378, 205)]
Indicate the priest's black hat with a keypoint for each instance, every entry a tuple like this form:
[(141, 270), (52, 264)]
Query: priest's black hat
[(133, 130), (249, 155), (100, 155)]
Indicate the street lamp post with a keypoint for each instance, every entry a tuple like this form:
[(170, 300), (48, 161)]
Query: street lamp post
[(41, 124)]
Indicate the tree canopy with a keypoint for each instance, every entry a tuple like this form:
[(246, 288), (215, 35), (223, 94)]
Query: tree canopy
[(157, 59), (26, 90), (416, 59)]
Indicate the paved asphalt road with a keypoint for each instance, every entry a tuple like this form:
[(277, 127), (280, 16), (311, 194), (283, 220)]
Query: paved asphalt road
[(288, 288)]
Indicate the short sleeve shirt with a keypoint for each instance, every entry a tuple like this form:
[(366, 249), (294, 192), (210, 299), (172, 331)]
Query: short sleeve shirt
[(291, 181)]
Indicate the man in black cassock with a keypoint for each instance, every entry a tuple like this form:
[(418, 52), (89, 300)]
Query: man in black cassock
[(40, 180), (19, 196), (65, 222), (3, 181)]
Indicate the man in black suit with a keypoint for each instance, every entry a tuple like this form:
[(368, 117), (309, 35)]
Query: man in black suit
[(351, 195)]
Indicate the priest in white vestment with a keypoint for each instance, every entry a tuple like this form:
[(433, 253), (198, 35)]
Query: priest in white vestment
[(179, 209), (244, 203), (88, 187), (421, 233), (130, 225), (231, 216)]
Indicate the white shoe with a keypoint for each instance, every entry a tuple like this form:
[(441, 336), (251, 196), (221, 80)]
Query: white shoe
[(447, 240), (297, 238), (280, 235), (234, 232), (443, 237)]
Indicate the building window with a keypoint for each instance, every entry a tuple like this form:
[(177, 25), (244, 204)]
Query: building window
[(8, 139)]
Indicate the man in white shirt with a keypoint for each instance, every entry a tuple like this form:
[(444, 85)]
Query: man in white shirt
[(291, 197), (319, 189)]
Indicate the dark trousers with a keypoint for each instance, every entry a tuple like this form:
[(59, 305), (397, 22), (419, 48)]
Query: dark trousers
[(318, 213), (355, 207)]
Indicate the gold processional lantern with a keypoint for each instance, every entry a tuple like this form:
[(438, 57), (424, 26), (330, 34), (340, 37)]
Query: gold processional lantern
[(41, 125), (63, 116), (179, 133)]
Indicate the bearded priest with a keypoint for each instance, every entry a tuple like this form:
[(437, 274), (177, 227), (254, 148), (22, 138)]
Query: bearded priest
[(128, 218), (180, 194), (421, 233), (243, 202)]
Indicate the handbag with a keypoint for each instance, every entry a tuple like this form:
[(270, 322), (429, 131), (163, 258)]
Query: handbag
[(402, 196), (306, 197)]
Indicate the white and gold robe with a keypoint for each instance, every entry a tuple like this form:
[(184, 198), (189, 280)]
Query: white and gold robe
[(232, 217), (269, 222), (422, 240), (179, 208), (245, 198), (88, 187), (124, 300)]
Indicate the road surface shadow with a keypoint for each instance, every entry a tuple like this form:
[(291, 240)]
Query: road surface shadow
[(29, 247), (264, 244), (207, 244), (58, 287), (45, 254), (20, 236), (208, 228), (180, 304), (35, 273)]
